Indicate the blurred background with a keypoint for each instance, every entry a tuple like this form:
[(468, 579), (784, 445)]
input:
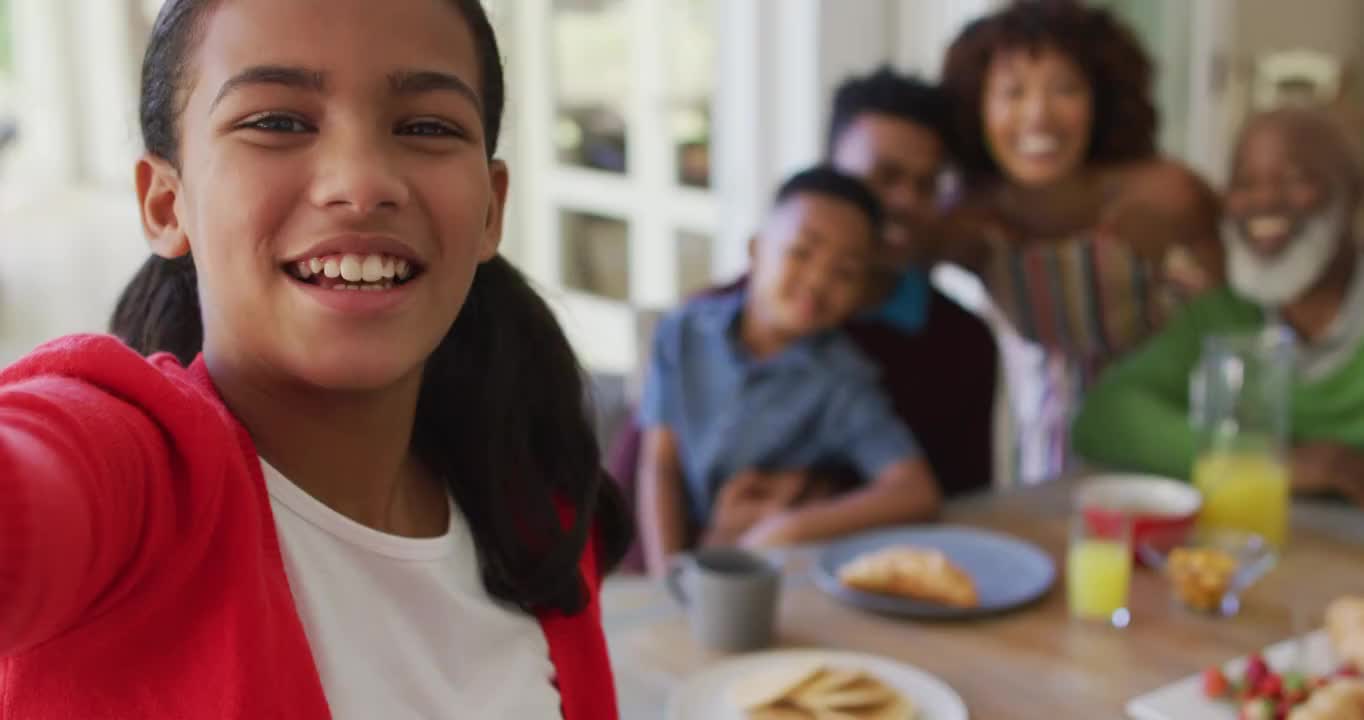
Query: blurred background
[(644, 136)]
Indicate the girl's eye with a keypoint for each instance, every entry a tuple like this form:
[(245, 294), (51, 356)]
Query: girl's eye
[(429, 128), (276, 123)]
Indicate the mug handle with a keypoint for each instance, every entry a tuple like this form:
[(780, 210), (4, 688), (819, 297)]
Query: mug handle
[(676, 566)]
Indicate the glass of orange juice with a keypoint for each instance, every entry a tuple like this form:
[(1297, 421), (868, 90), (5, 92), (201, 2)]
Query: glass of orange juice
[(1240, 397), (1099, 568)]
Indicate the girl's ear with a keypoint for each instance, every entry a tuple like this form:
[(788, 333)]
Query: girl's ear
[(492, 225), (158, 195)]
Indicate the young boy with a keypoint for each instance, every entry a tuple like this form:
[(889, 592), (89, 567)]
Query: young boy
[(749, 391)]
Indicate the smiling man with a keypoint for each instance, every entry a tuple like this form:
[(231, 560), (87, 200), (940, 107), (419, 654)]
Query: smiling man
[(1292, 258)]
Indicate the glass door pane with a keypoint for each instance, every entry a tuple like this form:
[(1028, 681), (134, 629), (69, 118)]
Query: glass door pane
[(592, 77), (595, 252), (691, 48)]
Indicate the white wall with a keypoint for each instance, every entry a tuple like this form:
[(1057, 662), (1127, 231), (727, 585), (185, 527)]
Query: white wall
[(1331, 26)]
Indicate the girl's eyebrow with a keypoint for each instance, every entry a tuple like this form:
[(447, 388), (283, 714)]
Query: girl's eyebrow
[(287, 76), (402, 82), (417, 82)]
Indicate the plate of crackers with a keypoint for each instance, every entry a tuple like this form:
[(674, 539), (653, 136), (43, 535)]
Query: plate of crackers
[(814, 685), (935, 573)]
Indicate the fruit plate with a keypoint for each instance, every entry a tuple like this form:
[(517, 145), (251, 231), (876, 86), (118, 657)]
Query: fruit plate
[(1185, 699), (705, 696)]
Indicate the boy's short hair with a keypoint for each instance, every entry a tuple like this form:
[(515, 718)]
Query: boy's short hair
[(825, 180)]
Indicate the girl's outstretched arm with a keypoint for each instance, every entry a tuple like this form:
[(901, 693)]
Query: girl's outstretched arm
[(77, 465)]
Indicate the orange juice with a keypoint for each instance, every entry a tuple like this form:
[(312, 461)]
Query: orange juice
[(1098, 574), (1246, 491)]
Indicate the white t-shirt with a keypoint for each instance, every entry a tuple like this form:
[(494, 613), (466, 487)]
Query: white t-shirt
[(403, 627)]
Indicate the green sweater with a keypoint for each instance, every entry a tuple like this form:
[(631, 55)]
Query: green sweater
[(1137, 416)]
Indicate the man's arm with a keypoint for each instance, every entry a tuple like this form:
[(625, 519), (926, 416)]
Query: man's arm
[(1325, 467), (1137, 416), (662, 509)]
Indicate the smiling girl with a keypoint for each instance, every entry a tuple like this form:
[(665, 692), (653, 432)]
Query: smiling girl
[(374, 492)]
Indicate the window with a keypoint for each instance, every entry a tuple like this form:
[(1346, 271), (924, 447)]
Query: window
[(596, 252), (691, 83), (592, 83), (611, 207)]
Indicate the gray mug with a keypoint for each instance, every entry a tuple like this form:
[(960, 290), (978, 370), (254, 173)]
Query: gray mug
[(730, 596)]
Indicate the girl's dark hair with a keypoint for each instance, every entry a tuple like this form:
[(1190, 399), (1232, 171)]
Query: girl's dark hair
[(1113, 61), (503, 412)]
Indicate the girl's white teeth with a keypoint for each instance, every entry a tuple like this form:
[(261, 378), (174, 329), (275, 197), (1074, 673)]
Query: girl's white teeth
[(371, 272), (367, 268), (352, 268), (385, 285)]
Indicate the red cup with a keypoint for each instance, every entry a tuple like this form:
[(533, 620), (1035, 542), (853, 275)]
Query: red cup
[(1163, 511)]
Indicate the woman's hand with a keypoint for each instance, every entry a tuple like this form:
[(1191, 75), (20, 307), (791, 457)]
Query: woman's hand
[(1166, 212), (964, 235)]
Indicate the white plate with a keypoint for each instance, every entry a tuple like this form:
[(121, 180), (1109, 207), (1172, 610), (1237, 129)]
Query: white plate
[(1185, 699), (704, 696)]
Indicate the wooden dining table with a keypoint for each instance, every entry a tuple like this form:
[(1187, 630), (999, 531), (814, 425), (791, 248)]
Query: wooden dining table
[(1035, 662)]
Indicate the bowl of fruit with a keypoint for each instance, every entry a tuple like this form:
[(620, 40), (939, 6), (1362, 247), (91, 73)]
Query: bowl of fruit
[(1210, 569)]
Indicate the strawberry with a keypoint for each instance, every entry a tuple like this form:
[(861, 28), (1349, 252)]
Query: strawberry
[(1215, 683), (1256, 670), (1348, 670), (1271, 686)]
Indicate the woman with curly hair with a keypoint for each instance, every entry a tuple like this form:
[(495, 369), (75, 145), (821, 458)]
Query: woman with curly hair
[(1077, 226), (1074, 213)]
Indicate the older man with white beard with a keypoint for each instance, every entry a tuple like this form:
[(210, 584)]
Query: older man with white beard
[(1292, 258)]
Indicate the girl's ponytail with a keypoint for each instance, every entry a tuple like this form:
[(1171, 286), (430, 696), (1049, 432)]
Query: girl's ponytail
[(159, 309), (504, 416)]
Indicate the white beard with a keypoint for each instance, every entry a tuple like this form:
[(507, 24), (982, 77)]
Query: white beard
[(1277, 281)]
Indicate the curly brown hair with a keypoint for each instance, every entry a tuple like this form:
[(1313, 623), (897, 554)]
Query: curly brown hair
[(1102, 47)]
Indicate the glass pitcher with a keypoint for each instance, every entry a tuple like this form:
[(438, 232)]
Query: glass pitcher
[(1240, 401)]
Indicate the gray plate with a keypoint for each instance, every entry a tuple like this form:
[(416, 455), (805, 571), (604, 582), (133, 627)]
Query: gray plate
[(1009, 573)]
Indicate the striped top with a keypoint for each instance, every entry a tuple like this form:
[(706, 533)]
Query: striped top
[(1090, 298)]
